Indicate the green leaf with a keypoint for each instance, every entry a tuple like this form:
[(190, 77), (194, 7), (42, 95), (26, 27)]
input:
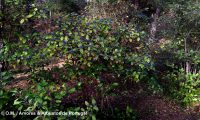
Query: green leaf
[(88, 64), (66, 38), (138, 39), (72, 90), (81, 50), (58, 101), (47, 98), (69, 56), (93, 117), (96, 108), (115, 84), (16, 102), (62, 38), (20, 108), (86, 103), (79, 84), (62, 93), (87, 37), (29, 16), (93, 101), (22, 21), (29, 109)]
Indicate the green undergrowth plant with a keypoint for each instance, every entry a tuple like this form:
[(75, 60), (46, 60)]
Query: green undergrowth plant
[(129, 113), (5, 78), (44, 97), (184, 88)]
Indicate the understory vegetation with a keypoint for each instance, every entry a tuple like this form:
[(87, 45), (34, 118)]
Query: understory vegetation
[(109, 59)]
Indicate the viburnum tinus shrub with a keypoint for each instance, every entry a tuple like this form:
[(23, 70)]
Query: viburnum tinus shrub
[(97, 43), (85, 43)]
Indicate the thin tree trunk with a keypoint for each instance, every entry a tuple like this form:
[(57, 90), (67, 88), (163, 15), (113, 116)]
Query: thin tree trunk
[(153, 26), (187, 64)]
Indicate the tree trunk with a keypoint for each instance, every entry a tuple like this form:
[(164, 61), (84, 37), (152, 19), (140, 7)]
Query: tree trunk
[(187, 63), (153, 26)]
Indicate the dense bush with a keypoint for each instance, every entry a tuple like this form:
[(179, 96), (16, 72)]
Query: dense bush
[(84, 43)]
